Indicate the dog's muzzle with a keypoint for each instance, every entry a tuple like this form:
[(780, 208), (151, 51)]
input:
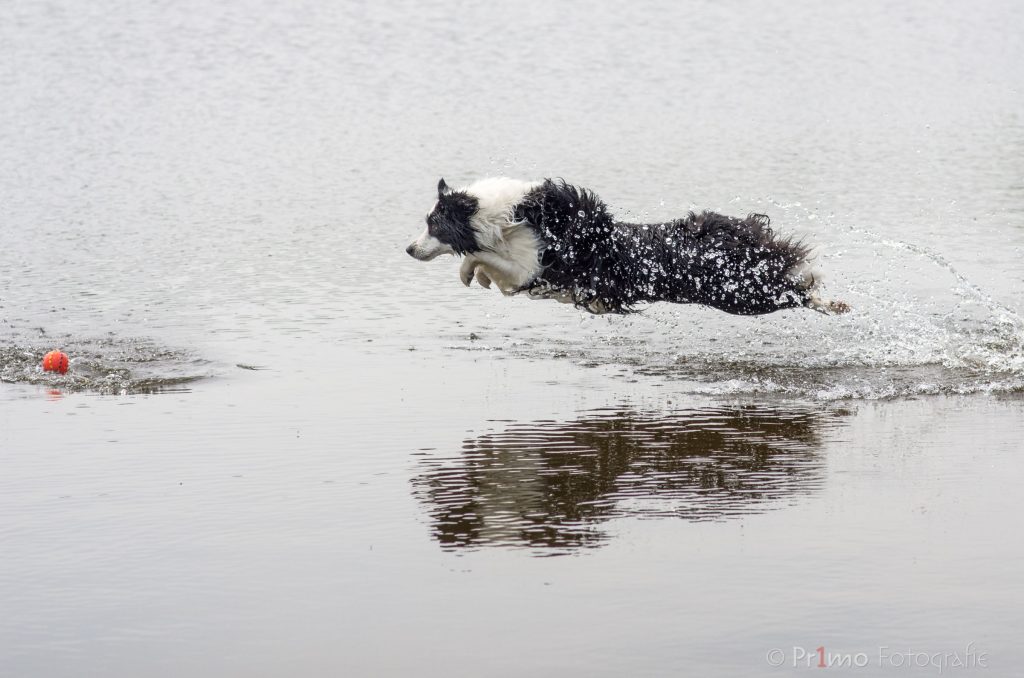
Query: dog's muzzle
[(426, 247)]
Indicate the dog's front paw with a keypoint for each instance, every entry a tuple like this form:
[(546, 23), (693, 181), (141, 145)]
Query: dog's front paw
[(467, 270), (483, 278)]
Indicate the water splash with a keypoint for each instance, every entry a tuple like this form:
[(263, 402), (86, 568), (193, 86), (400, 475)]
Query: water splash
[(110, 365), (909, 333)]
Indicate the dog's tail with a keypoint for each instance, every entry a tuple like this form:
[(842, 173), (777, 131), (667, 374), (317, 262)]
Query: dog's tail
[(808, 280)]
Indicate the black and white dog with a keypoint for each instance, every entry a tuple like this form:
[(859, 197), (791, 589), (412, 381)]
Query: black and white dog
[(552, 240)]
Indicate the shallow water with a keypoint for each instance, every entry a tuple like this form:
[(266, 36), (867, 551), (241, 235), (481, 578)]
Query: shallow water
[(285, 446)]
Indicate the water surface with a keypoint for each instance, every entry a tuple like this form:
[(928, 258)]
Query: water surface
[(284, 446)]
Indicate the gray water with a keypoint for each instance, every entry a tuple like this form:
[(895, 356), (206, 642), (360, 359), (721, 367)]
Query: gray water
[(285, 447)]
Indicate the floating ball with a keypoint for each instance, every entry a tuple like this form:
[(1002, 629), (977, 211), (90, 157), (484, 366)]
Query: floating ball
[(55, 361)]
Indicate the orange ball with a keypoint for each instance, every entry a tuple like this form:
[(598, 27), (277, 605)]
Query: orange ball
[(55, 361)]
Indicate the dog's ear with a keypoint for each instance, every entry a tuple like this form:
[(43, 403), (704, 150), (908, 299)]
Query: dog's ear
[(442, 188)]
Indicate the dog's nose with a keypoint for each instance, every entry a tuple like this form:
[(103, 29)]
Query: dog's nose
[(411, 249)]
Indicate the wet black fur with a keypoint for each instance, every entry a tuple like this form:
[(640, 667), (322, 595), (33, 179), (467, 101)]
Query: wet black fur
[(736, 265), (449, 221)]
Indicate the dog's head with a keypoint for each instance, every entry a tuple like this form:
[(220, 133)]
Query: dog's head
[(449, 230)]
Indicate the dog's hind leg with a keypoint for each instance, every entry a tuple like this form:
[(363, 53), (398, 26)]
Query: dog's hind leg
[(826, 306), (808, 281)]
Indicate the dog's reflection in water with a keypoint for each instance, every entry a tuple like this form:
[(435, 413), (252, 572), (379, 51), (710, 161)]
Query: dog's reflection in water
[(548, 485)]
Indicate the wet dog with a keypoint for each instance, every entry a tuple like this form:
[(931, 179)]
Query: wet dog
[(553, 240)]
